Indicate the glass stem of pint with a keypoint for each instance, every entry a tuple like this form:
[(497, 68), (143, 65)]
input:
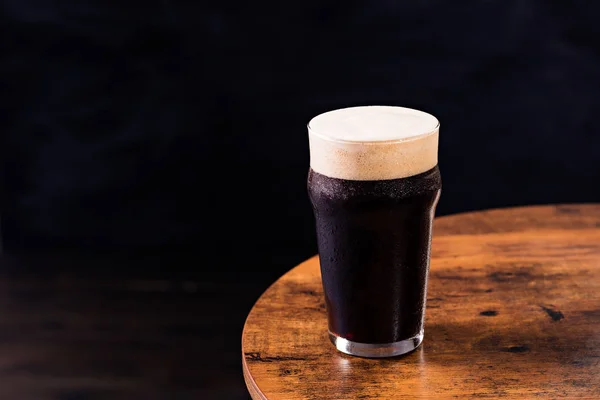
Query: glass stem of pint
[(374, 184)]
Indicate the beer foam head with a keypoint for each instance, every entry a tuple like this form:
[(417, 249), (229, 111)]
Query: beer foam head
[(373, 143)]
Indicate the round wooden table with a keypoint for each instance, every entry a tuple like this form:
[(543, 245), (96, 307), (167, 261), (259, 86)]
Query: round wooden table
[(513, 311)]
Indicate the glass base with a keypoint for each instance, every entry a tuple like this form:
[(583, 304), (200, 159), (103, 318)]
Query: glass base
[(376, 350)]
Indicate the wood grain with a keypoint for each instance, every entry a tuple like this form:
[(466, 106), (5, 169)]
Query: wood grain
[(513, 311)]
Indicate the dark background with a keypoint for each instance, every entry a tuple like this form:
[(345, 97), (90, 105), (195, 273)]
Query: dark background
[(178, 127)]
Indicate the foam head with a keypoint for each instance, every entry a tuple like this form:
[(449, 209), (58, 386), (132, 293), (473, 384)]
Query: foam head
[(373, 143)]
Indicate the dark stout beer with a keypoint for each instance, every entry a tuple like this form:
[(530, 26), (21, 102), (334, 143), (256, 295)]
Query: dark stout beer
[(374, 251), (374, 234)]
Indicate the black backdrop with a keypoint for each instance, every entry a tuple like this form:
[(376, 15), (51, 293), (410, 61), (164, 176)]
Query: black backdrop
[(180, 125)]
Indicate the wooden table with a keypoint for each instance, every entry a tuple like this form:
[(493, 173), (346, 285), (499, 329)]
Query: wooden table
[(513, 311)]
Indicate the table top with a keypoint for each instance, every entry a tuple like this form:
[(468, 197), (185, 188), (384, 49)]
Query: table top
[(513, 311)]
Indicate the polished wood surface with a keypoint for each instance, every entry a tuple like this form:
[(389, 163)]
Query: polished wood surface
[(513, 311)]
